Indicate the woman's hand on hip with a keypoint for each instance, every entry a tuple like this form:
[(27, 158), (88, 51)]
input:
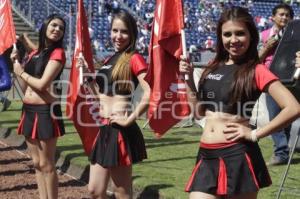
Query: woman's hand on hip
[(236, 131)]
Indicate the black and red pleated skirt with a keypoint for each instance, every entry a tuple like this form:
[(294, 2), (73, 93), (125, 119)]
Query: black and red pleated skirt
[(42, 121), (118, 146), (229, 169)]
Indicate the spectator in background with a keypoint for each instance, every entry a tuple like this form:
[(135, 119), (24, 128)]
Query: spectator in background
[(209, 44), (281, 15)]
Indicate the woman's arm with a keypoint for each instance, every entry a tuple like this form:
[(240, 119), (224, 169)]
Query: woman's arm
[(26, 41), (142, 105), (52, 69), (290, 109), (186, 68), (14, 57)]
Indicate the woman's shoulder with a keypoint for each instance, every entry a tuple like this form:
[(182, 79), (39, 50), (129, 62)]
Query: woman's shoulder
[(138, 63), (59, 55)]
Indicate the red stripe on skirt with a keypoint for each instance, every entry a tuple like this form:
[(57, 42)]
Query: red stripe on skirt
[(222, 178), (251, 170), (188, 186), (216, 145), (57, 131), (123, 154), (33, 135), (21, 124)]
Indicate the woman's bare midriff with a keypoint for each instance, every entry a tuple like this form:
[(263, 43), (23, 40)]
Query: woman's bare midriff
[(114, 105), (215, 124), (39, 97)]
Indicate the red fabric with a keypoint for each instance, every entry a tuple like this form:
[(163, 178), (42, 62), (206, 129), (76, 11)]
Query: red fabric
[(168, 100), (34, 130), (263, 76), (59, 55), (21, 124), (222, 178), (251, 170), (124, 158), (56, 129), (79, 99), (138, 64), (7, 28), (188, 186), (216, 145)]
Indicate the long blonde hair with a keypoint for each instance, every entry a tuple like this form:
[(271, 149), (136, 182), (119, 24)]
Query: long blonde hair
[(122, 71)]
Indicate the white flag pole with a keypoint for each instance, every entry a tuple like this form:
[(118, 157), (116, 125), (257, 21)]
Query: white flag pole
[(15, 48), (80, 69), (184, 51), (297, 73)]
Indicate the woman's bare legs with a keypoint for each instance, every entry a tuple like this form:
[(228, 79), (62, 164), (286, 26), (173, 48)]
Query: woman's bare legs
[(122, 179), (245, 196), (201, 195), (98, 182), (32, 147), (42, 153), (47, 165)]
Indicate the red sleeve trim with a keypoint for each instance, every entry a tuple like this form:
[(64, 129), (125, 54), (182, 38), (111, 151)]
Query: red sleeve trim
[(263, 76), (31, 55), (138, 64), (58, 54)]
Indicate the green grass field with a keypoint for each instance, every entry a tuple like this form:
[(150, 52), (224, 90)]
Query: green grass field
[(170, 159)]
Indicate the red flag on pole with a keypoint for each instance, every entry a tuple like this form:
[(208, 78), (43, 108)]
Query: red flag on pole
[(7, 28), (80, 99), (168, 101)]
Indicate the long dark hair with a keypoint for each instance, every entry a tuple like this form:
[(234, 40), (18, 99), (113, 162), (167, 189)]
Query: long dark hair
[(43, 30), (243, 85)]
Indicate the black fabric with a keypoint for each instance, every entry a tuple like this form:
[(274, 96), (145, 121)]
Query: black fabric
[(38, 62), (239, 177), (46, 116), (106, 149), (104, 80), (215, 92)]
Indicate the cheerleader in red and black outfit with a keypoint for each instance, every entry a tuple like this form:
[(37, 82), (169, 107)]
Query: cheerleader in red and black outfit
[(120, 142), (41, 122), (229, 162)]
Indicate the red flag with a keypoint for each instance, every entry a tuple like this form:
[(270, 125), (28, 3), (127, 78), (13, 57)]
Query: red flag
[(7, 28), (168, 101), (80, 99)]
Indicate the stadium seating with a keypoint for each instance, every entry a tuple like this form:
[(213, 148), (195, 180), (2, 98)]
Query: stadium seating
[(100, 25)]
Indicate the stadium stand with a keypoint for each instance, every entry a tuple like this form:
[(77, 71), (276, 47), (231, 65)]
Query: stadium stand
[(200, 17)]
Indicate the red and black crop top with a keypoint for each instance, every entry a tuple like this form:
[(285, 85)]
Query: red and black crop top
[(36, 64), (215, 91), (103, 77)]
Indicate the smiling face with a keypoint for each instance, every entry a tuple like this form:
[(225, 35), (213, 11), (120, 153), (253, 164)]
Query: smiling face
[(235, 39), (55, 30), (281, 17), (120, 36)]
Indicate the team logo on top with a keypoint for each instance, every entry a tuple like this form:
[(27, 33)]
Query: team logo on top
[(106, 66), (214, 76)]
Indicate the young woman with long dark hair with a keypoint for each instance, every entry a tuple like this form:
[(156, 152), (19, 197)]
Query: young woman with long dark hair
[(41, 122), (229, 162)]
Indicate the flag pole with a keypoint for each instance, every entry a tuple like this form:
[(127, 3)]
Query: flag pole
[(15, 48), (80, 70), (184, 51)]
